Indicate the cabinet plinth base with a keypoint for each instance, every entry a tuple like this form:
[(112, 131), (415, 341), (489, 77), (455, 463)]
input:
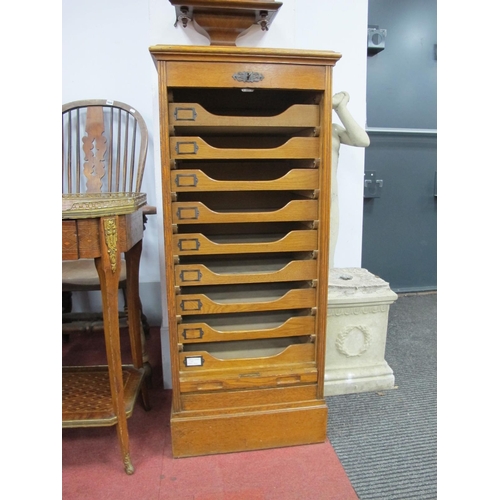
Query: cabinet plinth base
[(246, 431)]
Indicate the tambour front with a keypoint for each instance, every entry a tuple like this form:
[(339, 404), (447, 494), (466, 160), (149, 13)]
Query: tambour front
[(245, 141)]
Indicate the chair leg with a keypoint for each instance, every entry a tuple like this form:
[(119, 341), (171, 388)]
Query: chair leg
[(144, 319), (146, 384), (145, 324), (148, 370), (144, 335), (67, 302), (67, 307), (136, 329)]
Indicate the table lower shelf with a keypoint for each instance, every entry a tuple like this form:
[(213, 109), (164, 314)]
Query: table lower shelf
[(86, 395)]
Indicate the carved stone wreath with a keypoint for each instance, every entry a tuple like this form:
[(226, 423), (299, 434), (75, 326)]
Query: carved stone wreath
[(343, 336)]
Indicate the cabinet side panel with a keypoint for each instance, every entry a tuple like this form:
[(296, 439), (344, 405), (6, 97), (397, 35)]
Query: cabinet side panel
[(324, 227), (168, 237)]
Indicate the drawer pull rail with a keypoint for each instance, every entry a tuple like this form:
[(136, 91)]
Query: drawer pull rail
[(186, 180), (185, 114), (186, 147), (192, 333)]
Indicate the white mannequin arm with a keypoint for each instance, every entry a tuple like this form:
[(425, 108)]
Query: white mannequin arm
[(352, 134)]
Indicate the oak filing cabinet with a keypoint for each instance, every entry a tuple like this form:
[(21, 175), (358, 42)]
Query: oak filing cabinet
[(245, 147)]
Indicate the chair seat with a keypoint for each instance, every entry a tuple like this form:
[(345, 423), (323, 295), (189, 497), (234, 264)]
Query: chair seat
[(82, 272)]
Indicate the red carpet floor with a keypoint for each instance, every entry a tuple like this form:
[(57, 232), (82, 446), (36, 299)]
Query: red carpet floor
[(92, 467)]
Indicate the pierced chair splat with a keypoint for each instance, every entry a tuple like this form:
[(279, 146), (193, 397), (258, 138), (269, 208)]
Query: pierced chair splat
[(104, 155)]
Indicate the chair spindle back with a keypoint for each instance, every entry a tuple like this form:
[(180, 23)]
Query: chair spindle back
[(104, 145)]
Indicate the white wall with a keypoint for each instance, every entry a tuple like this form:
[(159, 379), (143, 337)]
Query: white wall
[(105, 55)]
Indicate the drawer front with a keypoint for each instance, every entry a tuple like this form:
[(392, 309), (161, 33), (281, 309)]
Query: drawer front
[(198, 244), (202, 304), (192, 114), (264, 378), (198, 213), (233, 399), (183, 148), (203, 332), (199, 274), (202, 371), (245, 75), (196, 180)]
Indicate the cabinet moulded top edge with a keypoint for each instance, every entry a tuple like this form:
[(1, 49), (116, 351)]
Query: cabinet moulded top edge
[(206, 53)]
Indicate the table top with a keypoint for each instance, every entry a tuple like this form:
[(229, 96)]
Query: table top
[(84, 206)]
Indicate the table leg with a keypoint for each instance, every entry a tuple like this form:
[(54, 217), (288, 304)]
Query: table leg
[(137, 342), (108, 268)]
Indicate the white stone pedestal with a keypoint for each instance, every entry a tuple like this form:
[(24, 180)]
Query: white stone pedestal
[(358, 312)]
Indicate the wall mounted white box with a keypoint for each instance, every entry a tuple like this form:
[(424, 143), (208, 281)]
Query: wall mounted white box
[(358, 313)]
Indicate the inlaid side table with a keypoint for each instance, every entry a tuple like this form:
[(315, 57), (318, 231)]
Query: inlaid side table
[(95, 396)]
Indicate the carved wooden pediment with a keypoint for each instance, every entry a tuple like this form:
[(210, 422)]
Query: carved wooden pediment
[(223, 21)]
